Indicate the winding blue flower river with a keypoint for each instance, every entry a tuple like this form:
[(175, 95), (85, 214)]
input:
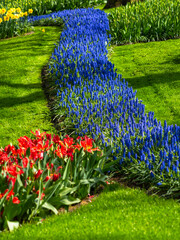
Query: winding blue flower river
[(101, 104)]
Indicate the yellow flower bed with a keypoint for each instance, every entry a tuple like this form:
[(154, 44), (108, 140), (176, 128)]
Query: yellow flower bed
[(13, 21), (13, 13)]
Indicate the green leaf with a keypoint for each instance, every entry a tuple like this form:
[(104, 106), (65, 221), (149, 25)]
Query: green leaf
[(3, 199), (68, 202), (28, 152), (50, 207), (26, 170), (110, 164), (12, 210), (54, 188), (40, 192), (12, 225), (28, 204), (66, 171), (19, 181), (37, 200), (66, 191), (84, 181), (45, 160), (99, 170)]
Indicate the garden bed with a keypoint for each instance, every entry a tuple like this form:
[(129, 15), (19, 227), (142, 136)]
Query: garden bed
[(90, 98)]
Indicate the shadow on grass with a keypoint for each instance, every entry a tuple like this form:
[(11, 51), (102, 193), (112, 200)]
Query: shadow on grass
[(28, 50), (175, 60), (152, 79), (32, 44), (23, 86), (14, 101)]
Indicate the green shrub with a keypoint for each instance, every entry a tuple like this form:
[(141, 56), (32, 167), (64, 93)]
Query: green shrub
[(151, 20)]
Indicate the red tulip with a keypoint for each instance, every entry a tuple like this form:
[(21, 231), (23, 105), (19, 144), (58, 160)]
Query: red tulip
[(16, 200), (38, 174)]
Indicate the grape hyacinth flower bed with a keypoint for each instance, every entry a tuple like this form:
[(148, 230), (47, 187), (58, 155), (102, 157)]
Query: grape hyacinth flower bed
[(100, 104)]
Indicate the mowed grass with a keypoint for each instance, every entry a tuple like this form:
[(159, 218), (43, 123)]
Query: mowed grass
[(153, 69), (23, 105), (118, 213)]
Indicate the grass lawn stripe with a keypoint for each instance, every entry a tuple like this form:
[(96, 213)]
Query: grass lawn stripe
[(118, 213)]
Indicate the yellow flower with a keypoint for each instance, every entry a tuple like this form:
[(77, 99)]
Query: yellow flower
[(18, 9), (43, 30), (12, 16), (16, 16), (12, 10), (0, 20), (5, 18), (30, 11), (3, 10), (8, 14), (25, 14)]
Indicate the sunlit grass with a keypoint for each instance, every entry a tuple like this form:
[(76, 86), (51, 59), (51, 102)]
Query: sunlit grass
[(153, 70), (118, 213)]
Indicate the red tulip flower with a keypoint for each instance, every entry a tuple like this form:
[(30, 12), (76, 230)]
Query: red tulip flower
[(16, 200), (38, 174)]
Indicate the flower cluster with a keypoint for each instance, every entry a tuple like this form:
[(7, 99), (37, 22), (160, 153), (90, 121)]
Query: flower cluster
[(42, 6), (14, 161), (13, 21), (102, 105), (40, 168), (13, 14)]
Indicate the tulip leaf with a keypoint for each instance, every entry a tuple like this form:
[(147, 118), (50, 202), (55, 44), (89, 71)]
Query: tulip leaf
[(66, 191), (12, 225), (50, 207), (66, 171), (28, 152), (67, 202), (19, 181)]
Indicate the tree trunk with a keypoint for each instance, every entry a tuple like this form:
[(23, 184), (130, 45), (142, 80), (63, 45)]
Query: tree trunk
[(115, 3)]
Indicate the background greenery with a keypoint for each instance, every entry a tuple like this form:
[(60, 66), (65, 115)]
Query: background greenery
[(46, 6), (150, 20)]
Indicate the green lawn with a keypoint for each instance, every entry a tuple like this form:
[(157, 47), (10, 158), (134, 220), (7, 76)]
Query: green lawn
[(153, 69), (22, 101), (118, 213)]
